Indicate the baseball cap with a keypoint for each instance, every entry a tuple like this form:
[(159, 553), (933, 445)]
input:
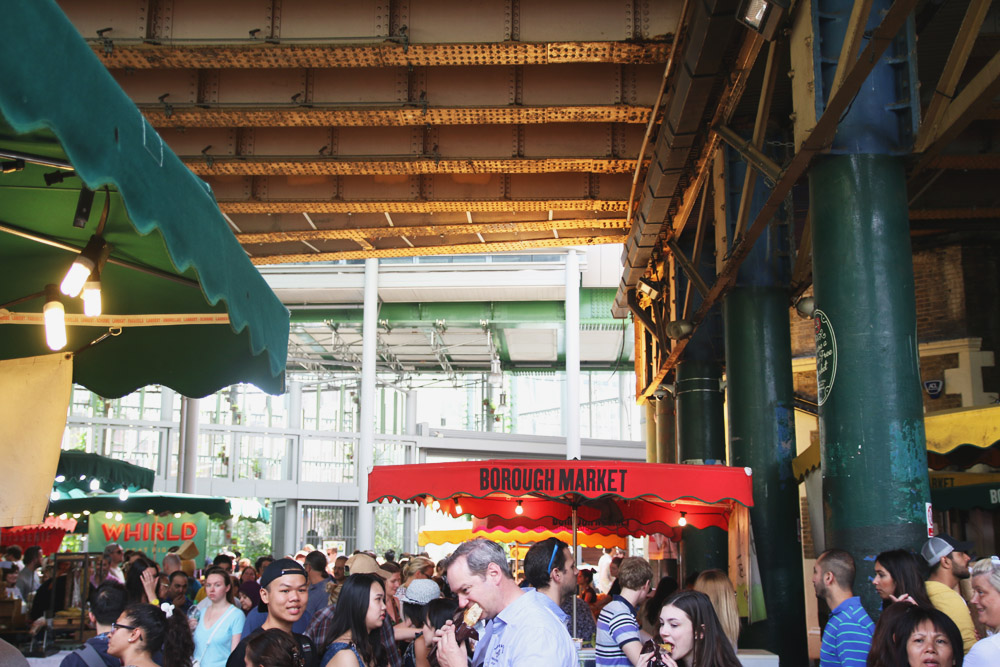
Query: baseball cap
[(940, 546), (421, 591), (280, 568), (362, 563)]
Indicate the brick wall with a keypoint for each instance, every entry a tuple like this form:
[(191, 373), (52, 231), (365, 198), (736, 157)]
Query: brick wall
[(981, 270), (941, 292), (932, 367)]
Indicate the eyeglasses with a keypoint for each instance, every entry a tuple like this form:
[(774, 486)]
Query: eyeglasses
[(122, 626)]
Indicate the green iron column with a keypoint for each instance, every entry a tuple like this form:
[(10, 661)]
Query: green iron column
[(762, 421), (666, 430), (871, 426), (699, 418)]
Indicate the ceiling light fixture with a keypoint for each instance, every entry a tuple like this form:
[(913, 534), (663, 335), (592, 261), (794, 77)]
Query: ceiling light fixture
[(683, 520), (458, 506), (92, 305), (679, 329)]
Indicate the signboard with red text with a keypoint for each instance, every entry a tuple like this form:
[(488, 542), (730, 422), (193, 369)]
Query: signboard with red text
[(153, 535)]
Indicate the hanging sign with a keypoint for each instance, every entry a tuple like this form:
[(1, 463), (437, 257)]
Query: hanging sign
[(826, 356), (933, 387), (150, 534)]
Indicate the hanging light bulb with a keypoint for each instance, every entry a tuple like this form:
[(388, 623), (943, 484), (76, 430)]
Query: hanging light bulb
[(123, 495), (108, 515), (149, 511), (435, 505), (55, 319), (86, 512), (177, 515), (54, 495), (93, 256), (458, 506), (118, 516), (60, 479), (76, 515), (64, 516), (683, 520), (92, 294), (95, 484), (519, 510)]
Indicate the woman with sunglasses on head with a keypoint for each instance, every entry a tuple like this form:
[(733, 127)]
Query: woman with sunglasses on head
[(986, 604), (143, 630), (691, 629)]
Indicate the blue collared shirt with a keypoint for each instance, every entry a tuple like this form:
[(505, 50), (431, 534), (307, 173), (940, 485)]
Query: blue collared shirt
[(529, 632)]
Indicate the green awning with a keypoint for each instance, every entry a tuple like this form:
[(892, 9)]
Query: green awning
[(78, 469), (214, 506), (965, 496), (58, 101)]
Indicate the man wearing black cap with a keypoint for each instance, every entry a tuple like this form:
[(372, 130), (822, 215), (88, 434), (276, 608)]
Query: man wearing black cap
[(949, 562), (285, 591)]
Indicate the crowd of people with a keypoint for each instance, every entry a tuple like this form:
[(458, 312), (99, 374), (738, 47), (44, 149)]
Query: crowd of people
[(924, 619), (309, 610)]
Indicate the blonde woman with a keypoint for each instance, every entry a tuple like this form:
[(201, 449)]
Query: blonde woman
[(716, 585)]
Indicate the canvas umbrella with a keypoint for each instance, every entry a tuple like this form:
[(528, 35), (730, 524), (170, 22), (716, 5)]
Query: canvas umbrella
[(571, 493), (84, 172)]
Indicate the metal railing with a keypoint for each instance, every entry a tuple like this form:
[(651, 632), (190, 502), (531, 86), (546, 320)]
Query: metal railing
[(234, 452)]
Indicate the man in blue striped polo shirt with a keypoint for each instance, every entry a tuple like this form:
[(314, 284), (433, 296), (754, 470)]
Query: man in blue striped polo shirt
[(618, 643), (847, 636)]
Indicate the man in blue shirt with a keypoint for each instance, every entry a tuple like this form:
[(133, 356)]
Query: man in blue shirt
[(550, 568), (524, 630), (847, 636)]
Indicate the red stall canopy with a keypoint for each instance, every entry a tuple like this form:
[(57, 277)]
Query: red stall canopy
[(630, 498)]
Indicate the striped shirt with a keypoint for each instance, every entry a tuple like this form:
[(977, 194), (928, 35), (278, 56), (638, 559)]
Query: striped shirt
[(616, 627), (847, 636)]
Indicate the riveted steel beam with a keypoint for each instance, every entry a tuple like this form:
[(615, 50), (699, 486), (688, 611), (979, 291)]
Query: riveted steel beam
[(292, 115), (261, 166), (421, 251), (255, 54), (420, 206), (430, 230)]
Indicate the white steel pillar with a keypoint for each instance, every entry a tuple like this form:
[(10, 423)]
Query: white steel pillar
[(189, 444), (163, 460), (571, 414), (366, 449), (411, 412)]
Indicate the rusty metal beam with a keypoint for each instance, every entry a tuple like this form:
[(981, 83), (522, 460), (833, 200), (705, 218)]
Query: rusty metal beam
[(819, 138), (689, 269), (802, 272), (337, 166), (699, 240), (421, 251), (421, 206), (294, 115), (979, 161), (728, 100), (975, 213), (749, 51), (852, 40), (952, 72), (414, 231), (256, 54), (759, 130), (750, 153), (975, 97)]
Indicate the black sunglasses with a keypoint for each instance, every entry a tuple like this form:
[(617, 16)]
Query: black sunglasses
[(122, 626)]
